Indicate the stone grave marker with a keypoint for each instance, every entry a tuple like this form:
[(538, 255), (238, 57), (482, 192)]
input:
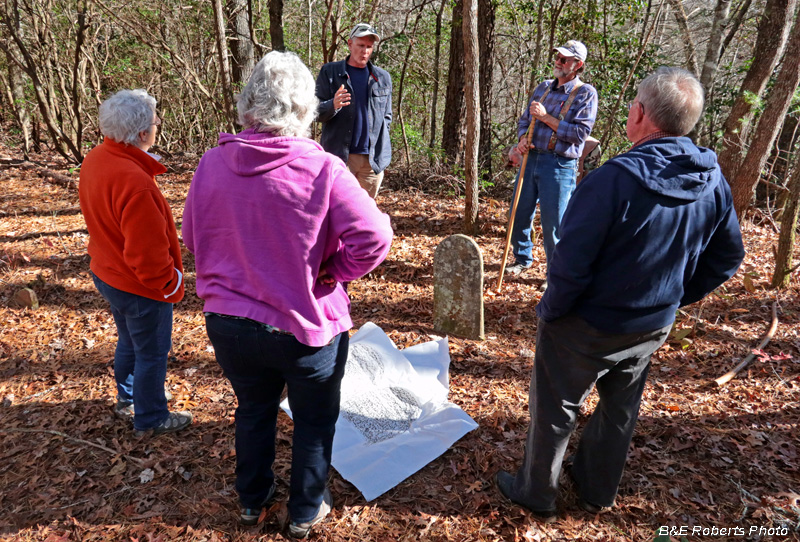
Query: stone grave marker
[(458, 287)]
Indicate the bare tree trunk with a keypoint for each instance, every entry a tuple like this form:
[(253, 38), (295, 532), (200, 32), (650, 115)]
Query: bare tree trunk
[(472, 99), (401, 86), (783, 256), (242, 49), (735, 23), (15, 91), (746, 177), (276, 25), (486, 18), (773, 29), (688, 42), (334, 19), (453, 126), (224, 69), (78, 75), (436, 59)]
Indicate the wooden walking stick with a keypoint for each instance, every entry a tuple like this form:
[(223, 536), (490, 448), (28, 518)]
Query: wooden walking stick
[(517, 192)]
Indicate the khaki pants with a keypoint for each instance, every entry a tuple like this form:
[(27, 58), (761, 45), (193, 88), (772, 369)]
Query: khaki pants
[(358, 164)]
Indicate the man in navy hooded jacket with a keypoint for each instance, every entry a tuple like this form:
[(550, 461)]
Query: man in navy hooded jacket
[(651, 230)]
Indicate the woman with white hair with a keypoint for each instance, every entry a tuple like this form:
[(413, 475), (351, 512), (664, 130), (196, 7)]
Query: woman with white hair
[(135, 256), (278, 227)]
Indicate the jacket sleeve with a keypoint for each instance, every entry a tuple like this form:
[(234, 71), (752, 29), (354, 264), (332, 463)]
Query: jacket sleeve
[(587, 220), (364, 233), (146, 246), (388, 115), (579, 120), (720, 259), (187, 223), (322, 89)]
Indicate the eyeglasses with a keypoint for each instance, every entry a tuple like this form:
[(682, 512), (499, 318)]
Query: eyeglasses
[(156, 123), (563, 59), (630, 105)]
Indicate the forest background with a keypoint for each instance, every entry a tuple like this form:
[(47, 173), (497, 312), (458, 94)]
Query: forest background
[(61, 58), (702, 455)]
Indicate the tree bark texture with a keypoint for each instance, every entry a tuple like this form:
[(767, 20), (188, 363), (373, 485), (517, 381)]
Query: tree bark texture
[(224, 68), (242, 49), (453, 125), (769, 124), (688, 42), (276, 25), (773, 29), (436, 74), (472, 102), (486, 16), (15, 92), (783, 256)]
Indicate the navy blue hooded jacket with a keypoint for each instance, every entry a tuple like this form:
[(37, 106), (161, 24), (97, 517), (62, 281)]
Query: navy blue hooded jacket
[(649, 231)]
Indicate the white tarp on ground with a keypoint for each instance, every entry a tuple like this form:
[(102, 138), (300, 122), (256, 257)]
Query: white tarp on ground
[(395, 417)]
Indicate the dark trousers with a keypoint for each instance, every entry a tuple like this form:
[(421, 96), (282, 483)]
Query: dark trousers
[(258, 363), (571, 358), (144, 330)]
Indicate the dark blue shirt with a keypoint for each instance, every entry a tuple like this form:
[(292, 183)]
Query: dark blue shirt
[(358, 101)]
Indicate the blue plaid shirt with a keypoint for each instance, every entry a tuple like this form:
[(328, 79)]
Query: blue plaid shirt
[(576, 125)]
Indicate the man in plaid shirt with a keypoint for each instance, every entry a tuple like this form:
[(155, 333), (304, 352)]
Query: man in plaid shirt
[(563, 111)]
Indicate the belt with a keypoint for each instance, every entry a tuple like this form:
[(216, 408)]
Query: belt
[(267, 327)]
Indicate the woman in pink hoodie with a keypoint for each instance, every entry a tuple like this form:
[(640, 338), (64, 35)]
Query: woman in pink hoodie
[(277, 227)]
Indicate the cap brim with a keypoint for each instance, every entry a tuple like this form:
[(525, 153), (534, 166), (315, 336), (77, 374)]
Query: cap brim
[(565, 52), (365, 34)]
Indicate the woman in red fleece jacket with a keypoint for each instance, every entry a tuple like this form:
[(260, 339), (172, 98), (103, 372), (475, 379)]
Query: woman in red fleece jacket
[(135, 256)]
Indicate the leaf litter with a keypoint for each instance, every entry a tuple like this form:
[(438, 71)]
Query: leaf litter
[(70, 470)]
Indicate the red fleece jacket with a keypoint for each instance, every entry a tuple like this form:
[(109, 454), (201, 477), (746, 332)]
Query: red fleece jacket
[(133, 242)]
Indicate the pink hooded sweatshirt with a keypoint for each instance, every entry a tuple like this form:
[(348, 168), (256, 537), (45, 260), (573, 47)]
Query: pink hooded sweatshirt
[(263, 216)]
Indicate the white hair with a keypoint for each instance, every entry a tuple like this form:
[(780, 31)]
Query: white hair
[(673, 99), (279, 96), (127, 113)]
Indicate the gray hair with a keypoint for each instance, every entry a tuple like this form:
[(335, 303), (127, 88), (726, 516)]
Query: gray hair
[(127, 113), (279, 96), (672, 99)]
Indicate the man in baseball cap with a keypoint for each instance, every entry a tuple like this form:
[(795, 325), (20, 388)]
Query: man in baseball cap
[(356, 109), (553, 129)]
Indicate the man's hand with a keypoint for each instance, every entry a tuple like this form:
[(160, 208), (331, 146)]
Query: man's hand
[(523, 146), (341, 98), (537, 110)]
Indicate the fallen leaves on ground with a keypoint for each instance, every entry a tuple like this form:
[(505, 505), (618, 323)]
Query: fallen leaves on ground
[(70, 470)]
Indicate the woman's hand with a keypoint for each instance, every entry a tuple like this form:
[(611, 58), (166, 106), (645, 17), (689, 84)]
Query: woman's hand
[(325, 278)]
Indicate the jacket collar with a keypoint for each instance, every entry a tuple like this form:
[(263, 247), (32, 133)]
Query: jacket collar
[(147, 162), (343, 69)]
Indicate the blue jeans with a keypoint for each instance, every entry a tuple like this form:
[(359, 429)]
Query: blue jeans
[(550, 180), (258, 364), (144, 327)]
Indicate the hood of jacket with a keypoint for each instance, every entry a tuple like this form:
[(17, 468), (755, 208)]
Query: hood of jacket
[(251, 153), (673, 167)]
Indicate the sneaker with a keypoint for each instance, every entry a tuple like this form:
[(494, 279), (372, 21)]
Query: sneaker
[(174, 422), (124, 409), (249, 516), (517, 268), (505, 483), (302, 530)]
